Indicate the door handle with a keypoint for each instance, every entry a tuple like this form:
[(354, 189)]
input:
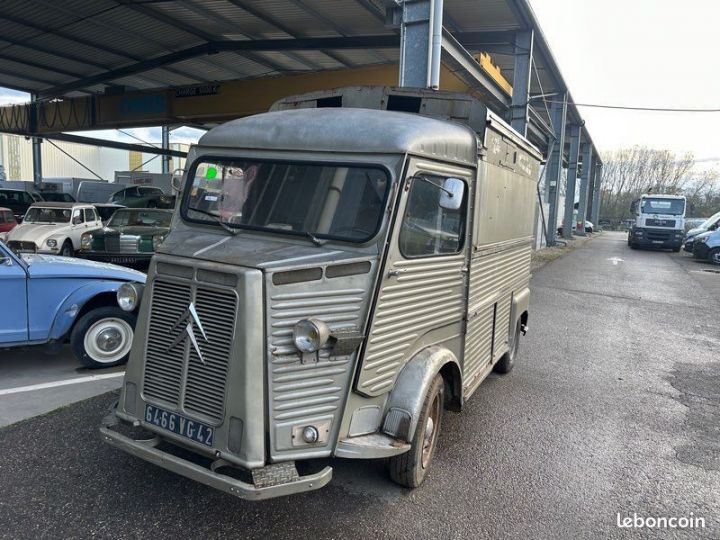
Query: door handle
[(396, 271)]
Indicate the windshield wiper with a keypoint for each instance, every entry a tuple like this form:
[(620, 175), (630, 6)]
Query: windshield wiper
[(315, 240), (218, 219)]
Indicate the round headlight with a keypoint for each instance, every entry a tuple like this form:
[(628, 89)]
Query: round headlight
[(310, 335), (51, 242), (157, 240), (128, 296), (86, 241)]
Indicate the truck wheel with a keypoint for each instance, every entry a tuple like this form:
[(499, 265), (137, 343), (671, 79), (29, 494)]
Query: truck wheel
[(507, 361), (103, 337), (676, 249), (714, 256), (67, 249), (409, 469)]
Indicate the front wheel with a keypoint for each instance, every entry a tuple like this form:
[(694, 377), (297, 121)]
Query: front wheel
[(67, 249), (103, 337), (409, 469), (714, 256)]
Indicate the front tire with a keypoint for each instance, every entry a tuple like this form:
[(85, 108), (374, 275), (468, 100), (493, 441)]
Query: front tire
[(67, 249), (409, 469), (714, 256), (103, 337), (507, 362)]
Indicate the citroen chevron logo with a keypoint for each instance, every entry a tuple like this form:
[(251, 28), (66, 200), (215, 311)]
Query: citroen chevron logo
[(189, 317)]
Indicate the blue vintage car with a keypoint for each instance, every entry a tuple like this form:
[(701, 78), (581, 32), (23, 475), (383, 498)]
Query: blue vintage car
[(51, 300)]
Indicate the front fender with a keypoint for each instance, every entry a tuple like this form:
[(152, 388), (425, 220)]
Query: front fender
[(408, 395), (67, 312)]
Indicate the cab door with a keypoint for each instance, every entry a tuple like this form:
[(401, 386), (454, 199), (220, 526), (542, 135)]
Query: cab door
[(13, 308), (423, 290)]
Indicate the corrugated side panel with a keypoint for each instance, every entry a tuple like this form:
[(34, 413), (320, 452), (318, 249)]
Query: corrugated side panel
[(426, 294), (493, 278), (301, 391)]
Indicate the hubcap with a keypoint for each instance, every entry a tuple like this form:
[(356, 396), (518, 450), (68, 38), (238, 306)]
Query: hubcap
[(716, 257), (430, 435), (108, 340)]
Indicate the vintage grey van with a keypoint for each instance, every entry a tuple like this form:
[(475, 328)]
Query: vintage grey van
[(335, 278)]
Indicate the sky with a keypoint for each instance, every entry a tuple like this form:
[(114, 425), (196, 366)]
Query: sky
[(638, 53)]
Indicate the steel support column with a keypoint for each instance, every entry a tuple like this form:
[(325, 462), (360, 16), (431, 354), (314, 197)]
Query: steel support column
[(597, 185), (519, 110), (587, 167), (36, 156), (573, 159), (420, 42), (554, 166), (165, 144)]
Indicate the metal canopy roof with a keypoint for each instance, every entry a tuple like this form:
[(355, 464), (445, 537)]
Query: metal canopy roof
[(55, 48)]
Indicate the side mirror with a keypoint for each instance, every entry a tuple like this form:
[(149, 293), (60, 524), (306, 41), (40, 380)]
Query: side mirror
[(451, 197)]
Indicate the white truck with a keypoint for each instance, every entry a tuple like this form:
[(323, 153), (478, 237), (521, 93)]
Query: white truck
[(658, 221)]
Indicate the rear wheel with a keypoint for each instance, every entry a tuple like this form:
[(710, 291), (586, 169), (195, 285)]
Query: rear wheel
[(507, 361), (676, 249), (103, 337), (409, 469), (714, 256), (67, 249)]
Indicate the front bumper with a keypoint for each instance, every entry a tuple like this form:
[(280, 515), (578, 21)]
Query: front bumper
[(658, 238), (124, 259), (147, 449), (689, 245), (701, 250)]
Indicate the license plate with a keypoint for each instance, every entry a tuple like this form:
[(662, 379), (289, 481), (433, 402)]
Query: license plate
[(123, 260), (191, 429), (657, 241)]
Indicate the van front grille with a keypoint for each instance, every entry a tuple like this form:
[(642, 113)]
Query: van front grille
[(175, 374)]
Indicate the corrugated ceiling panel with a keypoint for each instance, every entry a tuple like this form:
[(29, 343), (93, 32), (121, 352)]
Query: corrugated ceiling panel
[(350, 16), (214, 16), (22, 54), (487, 15)]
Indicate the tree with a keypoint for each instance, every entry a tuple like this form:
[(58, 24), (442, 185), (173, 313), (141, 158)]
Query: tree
[(630, 172)]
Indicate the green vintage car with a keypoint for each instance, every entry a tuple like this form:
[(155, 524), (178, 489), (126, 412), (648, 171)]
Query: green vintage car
[(129, 238)]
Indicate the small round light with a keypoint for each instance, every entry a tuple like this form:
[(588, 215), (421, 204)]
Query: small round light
[(310, 434), (86, 241), (51, 242), (128, 296), (310, 335)]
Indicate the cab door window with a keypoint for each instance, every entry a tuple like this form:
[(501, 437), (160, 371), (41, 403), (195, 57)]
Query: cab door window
[(90, 215), (77, 217), (427, 228)]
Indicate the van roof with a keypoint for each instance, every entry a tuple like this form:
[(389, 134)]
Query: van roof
[(348, 130), (53, 204)]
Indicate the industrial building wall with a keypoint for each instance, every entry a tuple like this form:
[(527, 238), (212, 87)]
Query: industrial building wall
[(16, 159)]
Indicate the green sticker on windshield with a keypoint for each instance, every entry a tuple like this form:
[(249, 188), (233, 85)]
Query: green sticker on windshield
[(211, 173)]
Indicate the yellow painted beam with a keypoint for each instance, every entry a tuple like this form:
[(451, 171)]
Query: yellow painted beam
[(209, 103)]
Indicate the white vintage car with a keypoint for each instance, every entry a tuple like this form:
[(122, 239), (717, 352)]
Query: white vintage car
[(53, 227)]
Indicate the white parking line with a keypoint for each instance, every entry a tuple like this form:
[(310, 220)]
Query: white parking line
[(66, 382)]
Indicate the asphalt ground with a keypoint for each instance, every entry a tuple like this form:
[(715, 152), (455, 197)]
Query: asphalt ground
[(613, 408), (33, 382)]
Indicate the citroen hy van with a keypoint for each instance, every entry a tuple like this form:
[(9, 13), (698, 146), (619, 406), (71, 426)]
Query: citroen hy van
[(334, 279)]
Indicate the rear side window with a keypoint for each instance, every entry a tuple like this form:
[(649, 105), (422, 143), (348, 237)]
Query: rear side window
[(427, 228)]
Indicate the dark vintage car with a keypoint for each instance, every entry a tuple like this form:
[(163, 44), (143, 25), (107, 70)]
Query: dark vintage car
[(143, 197), (129, 238), (106, 210), (16, 200)]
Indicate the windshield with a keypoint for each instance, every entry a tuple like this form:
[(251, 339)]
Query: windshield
[(317, 200), (48, 215), (140, 218), (710, 221), (674, 207)]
